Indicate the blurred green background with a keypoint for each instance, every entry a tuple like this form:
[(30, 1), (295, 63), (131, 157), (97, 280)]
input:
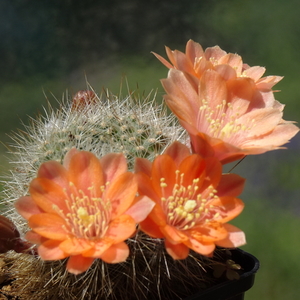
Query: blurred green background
[(48, 47)]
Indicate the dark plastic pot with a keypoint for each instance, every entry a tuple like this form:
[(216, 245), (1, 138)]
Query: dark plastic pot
[(233, 289)]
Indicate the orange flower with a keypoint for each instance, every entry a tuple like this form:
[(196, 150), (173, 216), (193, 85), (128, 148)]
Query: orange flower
[(194, 202), (84, 209), (227, 107)]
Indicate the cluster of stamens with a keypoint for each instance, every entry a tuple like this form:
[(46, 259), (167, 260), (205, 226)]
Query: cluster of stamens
[(221, 121), (87, 216), (187, 206)]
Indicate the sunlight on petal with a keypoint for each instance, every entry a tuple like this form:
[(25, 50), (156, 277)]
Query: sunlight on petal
[(79, 264), (50, 250), (116, 253)]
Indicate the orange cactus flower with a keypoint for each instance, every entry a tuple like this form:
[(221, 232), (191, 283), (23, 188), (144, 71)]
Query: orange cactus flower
[(194, 202), (227, 107), (83, 209)]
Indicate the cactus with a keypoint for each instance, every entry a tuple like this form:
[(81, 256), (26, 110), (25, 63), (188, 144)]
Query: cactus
[(134, 125)]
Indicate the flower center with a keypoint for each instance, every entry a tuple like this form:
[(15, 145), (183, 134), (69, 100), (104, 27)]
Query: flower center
[(222, 121), (186, 207), (88, 216)]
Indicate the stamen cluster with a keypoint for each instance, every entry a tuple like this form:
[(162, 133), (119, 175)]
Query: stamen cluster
[(186, 207), (88, 216)]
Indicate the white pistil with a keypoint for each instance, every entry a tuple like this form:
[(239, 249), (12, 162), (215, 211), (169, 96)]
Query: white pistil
[(190, 205)]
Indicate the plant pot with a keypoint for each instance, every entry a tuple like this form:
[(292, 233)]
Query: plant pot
[(10, 287), (233, 289)]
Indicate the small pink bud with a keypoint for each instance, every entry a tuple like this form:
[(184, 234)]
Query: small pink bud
[(82, 99)]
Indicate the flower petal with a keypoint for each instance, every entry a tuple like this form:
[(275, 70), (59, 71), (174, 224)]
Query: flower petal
[(214, 53), (121, 193), (68, 156), (227, 72), (231, 185), (232, 60), (48, 195), (208, 233), (142, 165), (182, 63), (55, 172), (75, 246), (99, 248), (85, 171), (200, 143), (49, 225), (212, 88), (170, 55), (235, 238), (193, 167), (26, 207), (202, 248), (193, 51), (243, 88), (279, 136), (182, 95), (34, 238), (162, 60), (49, 250), (264, 120), (173, 235), (163, 168), (145, 186), (141, 209), (121, 228), (158, 216), (268, 82), (177, 251), (230, 207), (150, 227), (116, 253), (113, 165), (213, 171), (255, 72), (78, 264), (178, 152)]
